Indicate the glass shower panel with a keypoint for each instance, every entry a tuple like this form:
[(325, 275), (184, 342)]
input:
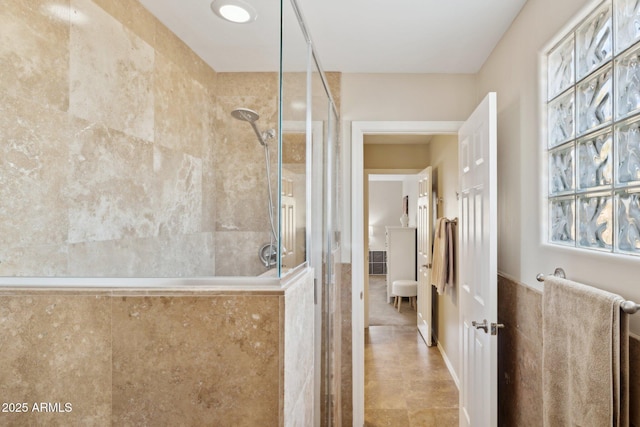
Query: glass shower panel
[(595, 160), (294, 155), (628, 83), (561, 68), (594, 41), (594, 101), (595, 221)]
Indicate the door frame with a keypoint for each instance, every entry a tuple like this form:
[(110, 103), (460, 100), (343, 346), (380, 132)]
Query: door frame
[(358, 130)]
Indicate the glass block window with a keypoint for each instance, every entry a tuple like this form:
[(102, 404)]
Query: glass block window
[(593, 132)]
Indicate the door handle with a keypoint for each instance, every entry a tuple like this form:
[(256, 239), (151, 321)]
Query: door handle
[(495, 327), (426, 265), (482, 325)]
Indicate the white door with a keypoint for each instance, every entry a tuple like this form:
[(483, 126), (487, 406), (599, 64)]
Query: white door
[(424, 254), (478, 266)]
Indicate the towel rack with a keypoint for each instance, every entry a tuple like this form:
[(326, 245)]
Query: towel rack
[(629, 307)]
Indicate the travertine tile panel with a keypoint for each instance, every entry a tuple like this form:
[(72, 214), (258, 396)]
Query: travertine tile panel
[(248, 84), (220, 355), (299, 346), (236, 253), (334, 79), (209, 197), (294, 148), (347, 368), (182, 106), (241, 178), (111, 73), (170, 46), (56, 349), (33, 172), (133, 15), (34, 51), (634, 381), (178, 178), (34, 260), (171, 256), (110, 186)]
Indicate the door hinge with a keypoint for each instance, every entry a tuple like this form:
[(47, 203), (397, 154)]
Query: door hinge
[(495, 327)]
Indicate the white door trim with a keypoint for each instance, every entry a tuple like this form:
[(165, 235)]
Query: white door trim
[(358, 130)]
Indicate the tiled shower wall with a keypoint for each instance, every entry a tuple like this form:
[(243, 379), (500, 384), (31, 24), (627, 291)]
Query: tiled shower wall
[(118, 156), (520, 358)]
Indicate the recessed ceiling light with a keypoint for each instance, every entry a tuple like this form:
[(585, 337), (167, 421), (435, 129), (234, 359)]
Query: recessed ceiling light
[(237, 11)]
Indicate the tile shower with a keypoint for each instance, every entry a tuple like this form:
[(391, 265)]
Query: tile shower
[(119, 162)]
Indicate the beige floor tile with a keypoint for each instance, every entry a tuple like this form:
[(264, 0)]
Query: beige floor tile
[(386, 418), (406, 382)]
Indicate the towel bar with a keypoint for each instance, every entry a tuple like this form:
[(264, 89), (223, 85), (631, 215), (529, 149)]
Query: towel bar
[(558, 272), (629, 307)]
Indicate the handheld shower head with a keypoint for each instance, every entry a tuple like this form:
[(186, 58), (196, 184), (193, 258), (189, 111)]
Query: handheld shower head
[(247, 115)]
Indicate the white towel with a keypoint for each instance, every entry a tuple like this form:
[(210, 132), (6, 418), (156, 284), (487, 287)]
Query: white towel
[(443, 256), (584, 356)]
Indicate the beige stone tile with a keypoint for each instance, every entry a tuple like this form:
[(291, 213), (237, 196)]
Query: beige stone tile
[(188, 255), (386, 394), (34, 51), (220, 355), (634, 381), (236, 253), (241, 179), (431, 394), (34, 260), (298, 346), (174, 49), (111, 73), (33, 173), (133, 15), (110, 186), (178, 181), (334, 79), (182, 109), (386, 418), (260, 85), (56, 349), (433, 418)]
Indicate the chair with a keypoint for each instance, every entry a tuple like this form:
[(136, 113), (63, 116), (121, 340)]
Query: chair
[(404, 288)]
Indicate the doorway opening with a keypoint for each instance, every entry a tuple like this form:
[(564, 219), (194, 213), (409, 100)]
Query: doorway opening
[(361, 230)]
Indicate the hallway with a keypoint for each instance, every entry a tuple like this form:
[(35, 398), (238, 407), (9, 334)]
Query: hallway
[(406, 382)]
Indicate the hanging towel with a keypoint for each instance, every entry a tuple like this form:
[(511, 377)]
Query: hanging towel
[(443, 256), (584, 356)]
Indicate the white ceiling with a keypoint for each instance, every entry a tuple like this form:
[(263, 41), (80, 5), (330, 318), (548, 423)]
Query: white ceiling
[(350, 36)]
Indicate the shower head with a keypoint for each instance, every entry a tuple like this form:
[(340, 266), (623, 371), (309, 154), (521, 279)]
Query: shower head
[(245, 114)]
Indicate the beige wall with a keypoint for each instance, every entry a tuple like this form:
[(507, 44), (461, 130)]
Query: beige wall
[(512, 71), (407, 96), (396, 156), (444, 163)]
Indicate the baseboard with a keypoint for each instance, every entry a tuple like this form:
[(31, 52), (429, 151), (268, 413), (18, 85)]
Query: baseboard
[(450, 367)]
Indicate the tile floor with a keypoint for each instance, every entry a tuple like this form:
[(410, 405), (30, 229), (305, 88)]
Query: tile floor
[(406, 382)]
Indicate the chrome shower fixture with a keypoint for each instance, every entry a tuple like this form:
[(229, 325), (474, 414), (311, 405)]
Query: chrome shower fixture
[(247, 115)]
